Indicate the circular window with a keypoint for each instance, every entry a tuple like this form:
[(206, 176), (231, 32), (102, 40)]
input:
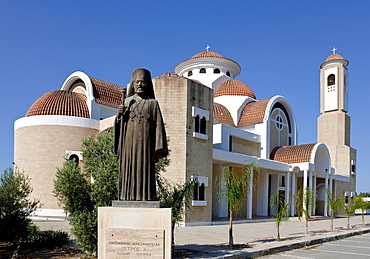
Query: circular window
[(279, 122)]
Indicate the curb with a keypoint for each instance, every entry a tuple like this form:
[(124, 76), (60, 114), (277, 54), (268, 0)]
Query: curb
[(289, 247)]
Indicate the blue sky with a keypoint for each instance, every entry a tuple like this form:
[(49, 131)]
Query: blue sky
[(279, 45)]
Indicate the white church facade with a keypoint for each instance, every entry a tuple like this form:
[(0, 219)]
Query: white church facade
[(213, 121)]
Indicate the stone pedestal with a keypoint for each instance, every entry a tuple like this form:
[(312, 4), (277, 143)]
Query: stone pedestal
[(131, 232)]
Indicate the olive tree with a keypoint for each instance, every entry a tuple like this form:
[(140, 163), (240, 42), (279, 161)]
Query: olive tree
[(15, 205)]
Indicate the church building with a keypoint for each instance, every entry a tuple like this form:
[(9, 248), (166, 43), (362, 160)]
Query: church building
[(214, 121)]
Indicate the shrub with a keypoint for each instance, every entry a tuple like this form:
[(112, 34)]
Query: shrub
[(15, 206), (50, 239)]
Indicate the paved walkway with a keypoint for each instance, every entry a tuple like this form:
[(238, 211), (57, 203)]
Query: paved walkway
[(256, 238)]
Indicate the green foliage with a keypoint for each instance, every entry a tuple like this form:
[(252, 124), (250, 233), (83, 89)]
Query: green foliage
[(358, 203), (101, 163), (235, 190), (349, 211), (281, 209), (304, 203), (335, 205), (176, 196), (50, 239), (15, 206), (80, 196), (82, 192), (236, 187)]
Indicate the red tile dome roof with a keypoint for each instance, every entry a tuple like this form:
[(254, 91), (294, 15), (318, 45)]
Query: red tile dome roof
[(334, 57), (207, 54), (253, 113), (293, 154), (222, 114), (60, 102), (234, 87), (106, 93)]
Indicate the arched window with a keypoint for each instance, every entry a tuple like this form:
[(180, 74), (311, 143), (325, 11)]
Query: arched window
[(197, 123), (331, 79), (203, 125), (198, 192), (74, 158), (228, 73), (216, 71), (190, 73), (202, 70)]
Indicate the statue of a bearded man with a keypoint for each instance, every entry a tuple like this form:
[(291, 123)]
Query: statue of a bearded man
[(139, 139)]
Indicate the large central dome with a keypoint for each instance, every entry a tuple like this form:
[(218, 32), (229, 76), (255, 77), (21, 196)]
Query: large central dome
[(234, 87), (60, 102)]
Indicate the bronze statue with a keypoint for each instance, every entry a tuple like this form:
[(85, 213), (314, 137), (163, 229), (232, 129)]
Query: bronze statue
[(139, 139)]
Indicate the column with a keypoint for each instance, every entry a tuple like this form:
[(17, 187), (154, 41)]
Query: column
[(250, 196), (310, 183), (314, 195), (294, 193), (287, 188), (305, 185), (331, 188), (326, 196)]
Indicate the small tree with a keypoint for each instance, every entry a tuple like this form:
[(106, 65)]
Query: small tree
[(281, 209), (236, 188), (177, 196), (15, 205), (335, 205), (304, 204), (349, 210), (82, 192), (360, 204), (80, 196)]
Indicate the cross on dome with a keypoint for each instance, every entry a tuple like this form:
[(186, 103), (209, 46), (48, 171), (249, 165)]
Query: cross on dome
[(334, 50), (208, 47)]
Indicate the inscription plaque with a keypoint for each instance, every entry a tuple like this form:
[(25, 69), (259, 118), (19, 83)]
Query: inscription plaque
[(134, 243)]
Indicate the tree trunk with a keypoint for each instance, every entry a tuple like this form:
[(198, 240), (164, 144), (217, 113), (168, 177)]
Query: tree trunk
[(278, 233), (306, 225), (363, 219), (231, 238), (332, 223), (348, 225)]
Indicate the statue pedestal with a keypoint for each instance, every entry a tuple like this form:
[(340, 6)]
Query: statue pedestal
[(133, 231)]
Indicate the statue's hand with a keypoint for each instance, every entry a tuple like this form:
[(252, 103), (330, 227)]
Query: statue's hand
[(121, 109)]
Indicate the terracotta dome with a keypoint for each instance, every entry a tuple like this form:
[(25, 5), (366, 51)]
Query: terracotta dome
[(234, 87), (222, 114), (334, 57), (207, 54), (60, 102)]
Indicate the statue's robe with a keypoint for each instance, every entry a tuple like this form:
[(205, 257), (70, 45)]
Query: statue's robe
[(139, 141)]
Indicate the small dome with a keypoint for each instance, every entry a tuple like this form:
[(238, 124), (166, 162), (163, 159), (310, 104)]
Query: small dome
[(334, 57), (207, 54), (60, 102), (222, 114), (234, 87)]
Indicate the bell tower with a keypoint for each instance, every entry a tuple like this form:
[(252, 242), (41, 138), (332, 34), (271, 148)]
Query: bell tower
[(334, 124)]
